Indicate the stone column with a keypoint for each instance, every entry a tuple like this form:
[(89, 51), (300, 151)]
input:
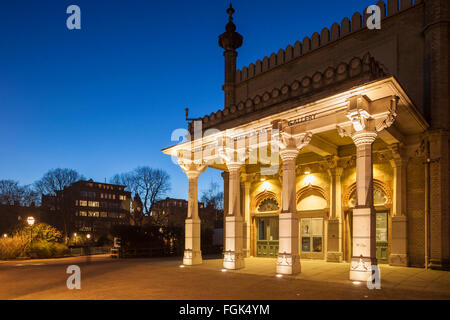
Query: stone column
[(334, 237), (399, 246), (288, 261), (225, 176), (192, 252), (233, 256), (247, 222), (364, 243)]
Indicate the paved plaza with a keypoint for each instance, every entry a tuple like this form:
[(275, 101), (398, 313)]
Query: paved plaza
[(106, 278)]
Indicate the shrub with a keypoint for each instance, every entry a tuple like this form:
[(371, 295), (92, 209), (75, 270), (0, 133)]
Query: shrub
[(15, 247), (45, 249)]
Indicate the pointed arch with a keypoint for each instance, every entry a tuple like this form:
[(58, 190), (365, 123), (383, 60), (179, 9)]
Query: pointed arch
[(265, 195), (313, 197), (377, 185)]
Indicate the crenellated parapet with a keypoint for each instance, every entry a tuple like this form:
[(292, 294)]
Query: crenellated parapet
[(356, 70), (320, 39)]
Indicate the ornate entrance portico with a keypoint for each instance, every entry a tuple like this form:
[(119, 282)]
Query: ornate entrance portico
[(325, 135), (358, 117)]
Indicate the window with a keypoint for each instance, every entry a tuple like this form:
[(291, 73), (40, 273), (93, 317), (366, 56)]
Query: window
[(95, 214), (83, 214), (312, 234), (123, 197), (95, 204), (83, 203), (113, 215), (268, 205), (104, 214), (83, 194)]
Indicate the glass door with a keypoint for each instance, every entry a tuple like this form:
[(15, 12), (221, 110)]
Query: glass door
[(382, 236), (267, 237)]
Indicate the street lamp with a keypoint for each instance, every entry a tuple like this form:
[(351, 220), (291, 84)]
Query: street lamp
[(30, 221), (5, 235), (88, 236)]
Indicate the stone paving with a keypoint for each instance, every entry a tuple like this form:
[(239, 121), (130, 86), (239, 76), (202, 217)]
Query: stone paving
[(321, 271), (162, 278)]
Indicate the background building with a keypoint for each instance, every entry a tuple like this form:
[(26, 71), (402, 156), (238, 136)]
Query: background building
[(89, 207)]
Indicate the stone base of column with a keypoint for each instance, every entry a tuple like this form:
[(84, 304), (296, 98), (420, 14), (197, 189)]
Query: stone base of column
[(333, 241), (288, 264), (192, 258), (233, 256), (364, 247), (334, 256), (399, 247), (233, 260), (361, 268), (398, 260), (192, 252)]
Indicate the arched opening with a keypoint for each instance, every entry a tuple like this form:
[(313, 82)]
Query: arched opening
[(266, 226), (312, 205)]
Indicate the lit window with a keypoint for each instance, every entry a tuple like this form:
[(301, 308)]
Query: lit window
[(312, 234), (123, 197), (94, 214), (83, 203), (95, 204), (83, 214)]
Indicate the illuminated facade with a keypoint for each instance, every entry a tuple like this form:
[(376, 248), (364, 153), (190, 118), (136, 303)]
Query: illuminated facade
[(335, 148)]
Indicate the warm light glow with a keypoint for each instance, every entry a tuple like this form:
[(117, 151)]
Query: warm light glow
[(5, 235), (279, 276), (263, 179), (182, 266), (224, 270), (356, 282), (88, 236), (30, 221), (75, 234), (309, 179), (265, 185), (307, 170)]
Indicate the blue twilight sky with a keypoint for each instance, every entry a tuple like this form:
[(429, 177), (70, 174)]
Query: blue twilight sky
[(105, 99)]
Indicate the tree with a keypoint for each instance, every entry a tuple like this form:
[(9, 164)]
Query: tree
[(56, 180), (213, 196), (11, 192), (150, 184)]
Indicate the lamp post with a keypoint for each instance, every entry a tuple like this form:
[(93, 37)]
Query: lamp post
[(30, 221)]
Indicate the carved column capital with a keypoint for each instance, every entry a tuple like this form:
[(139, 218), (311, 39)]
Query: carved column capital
[(191, 169), (291, 144), (363, 138)]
